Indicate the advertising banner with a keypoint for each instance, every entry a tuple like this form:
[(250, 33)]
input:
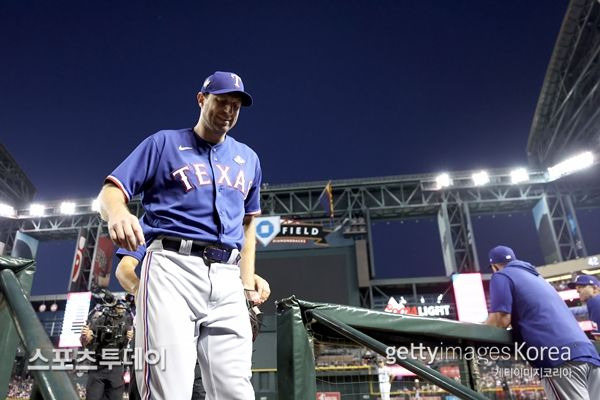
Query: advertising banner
[(102, 263), (277, 230), (78, 280)]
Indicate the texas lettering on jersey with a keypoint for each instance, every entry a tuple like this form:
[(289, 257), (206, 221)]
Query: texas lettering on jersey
[(191, 188), (202, 177)]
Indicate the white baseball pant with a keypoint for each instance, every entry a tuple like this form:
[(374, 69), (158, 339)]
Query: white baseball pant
[(186, 309)]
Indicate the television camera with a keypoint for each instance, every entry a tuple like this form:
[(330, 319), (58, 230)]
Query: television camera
[(109, 320)]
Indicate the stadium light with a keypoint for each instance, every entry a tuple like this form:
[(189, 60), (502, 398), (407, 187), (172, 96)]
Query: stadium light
[(519, 175), (54, 307), (96, 205), (42, 307), (67, 208), (480, 178), (570, 165), (37, 210), (443, 180), (6, 210), (422, 300)]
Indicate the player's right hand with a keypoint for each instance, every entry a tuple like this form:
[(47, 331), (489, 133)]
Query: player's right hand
[(125, 230)]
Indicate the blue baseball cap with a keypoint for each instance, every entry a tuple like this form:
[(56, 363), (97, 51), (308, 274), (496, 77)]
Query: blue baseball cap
[(583, 280), (501, 255), (226, 82)]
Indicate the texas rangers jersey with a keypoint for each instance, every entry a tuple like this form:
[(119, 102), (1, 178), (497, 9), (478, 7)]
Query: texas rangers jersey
[(191, 188)]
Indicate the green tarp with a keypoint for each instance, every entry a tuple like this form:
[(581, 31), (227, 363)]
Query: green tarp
[(402, 328), (24, 270), (295, 360)]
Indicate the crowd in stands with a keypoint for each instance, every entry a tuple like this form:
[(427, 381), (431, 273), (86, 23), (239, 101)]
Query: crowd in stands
[(20, 388), (516, 376), (340, 356), (560, 286)]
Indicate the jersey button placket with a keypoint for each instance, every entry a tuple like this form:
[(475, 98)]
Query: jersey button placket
[(221, 218), (218, 192)]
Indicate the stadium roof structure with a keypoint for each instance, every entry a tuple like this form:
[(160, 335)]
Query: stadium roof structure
[(385, 198), (15, 187), (357, 202), (567, 116)]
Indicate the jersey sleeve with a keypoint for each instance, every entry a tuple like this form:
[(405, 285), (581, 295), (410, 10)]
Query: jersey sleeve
[(593, 309), (579, 311), (137, 169), (252, 202), (501, 298), (138, 254)]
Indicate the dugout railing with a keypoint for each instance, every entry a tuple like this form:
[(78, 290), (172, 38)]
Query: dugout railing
[(299, 321), (19, 321)]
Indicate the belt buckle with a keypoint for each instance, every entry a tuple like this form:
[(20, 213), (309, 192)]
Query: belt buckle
[(208, 254)]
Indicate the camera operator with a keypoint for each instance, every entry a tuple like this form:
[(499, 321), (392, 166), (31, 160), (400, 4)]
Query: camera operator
[(108, 330)]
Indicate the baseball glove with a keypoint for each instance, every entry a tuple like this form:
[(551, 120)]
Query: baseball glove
[(255, 316)]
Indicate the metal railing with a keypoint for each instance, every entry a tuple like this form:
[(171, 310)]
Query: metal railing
[(414, 366), (48, 384)]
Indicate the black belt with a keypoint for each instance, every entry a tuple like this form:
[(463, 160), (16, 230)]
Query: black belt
[(209, 253)]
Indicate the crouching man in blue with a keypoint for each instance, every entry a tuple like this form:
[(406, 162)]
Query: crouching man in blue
[(553, 341)]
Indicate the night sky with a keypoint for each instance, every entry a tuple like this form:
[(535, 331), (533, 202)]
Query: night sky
[(342, 89)]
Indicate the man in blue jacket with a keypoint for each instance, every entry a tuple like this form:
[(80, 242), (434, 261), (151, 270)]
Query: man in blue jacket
[(553, 341), (588, 288)]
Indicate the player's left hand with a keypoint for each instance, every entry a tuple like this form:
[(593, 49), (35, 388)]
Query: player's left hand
[(262, 289)]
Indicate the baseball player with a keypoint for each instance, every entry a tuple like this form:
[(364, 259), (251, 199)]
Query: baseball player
[(384, 377), (554, 342), (200, 191), (588, 287)]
